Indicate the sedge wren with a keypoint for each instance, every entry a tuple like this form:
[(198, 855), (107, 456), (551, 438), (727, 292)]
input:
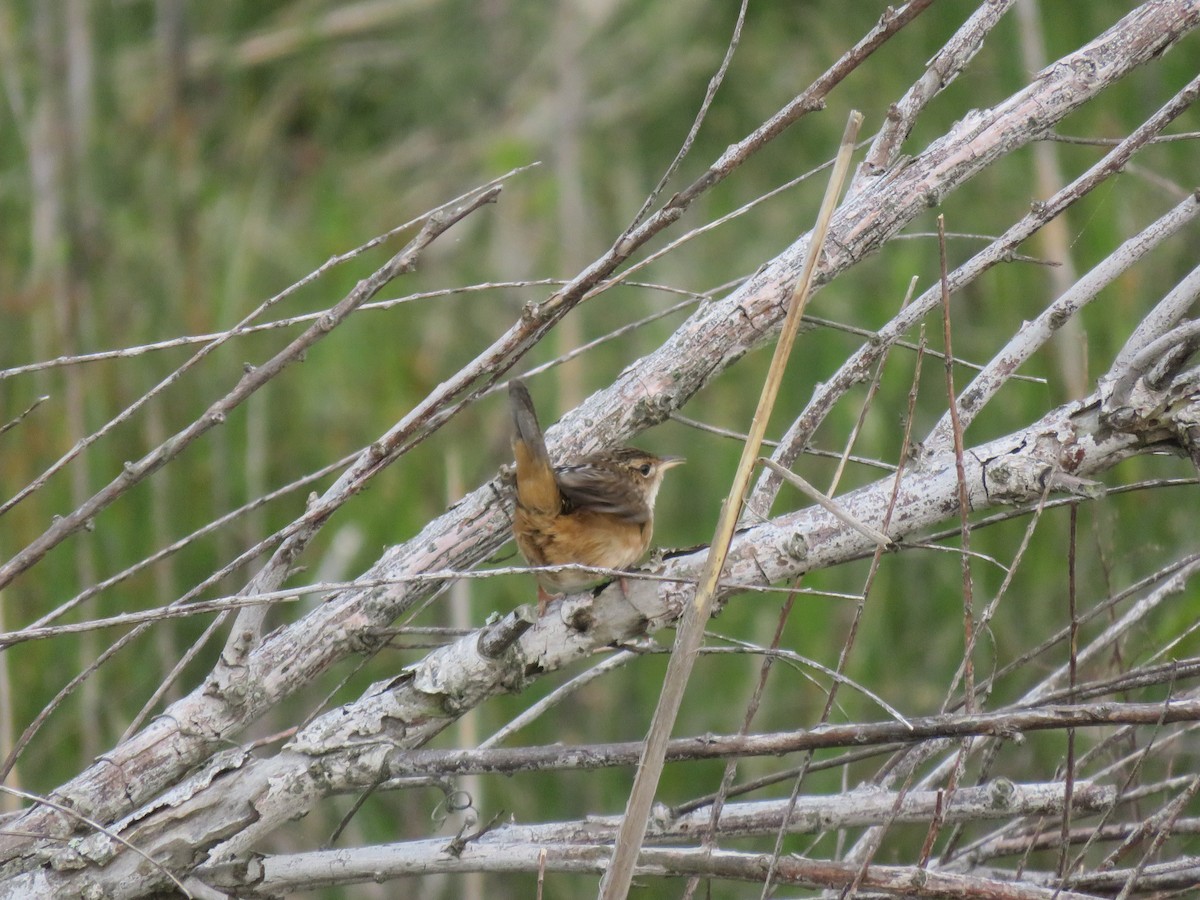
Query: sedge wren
[(598, 511)]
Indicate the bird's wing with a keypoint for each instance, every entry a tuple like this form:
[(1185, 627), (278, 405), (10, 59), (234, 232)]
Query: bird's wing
[(601, 489)]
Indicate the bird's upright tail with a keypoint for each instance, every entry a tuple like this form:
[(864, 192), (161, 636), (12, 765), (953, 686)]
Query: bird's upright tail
[(537, 490)]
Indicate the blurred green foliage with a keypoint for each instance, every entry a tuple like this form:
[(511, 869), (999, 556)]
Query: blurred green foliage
[(166, 167)]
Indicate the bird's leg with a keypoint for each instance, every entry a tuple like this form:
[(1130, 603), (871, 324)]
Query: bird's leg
[(543, 600)]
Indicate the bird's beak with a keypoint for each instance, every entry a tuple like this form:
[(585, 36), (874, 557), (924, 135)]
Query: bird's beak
[(670, 462)]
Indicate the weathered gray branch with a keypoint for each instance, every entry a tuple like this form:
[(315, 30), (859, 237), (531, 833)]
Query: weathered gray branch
[(502, 847), (235, 799), (334, 867)]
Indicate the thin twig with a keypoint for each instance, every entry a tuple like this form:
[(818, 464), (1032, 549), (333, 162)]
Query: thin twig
[(871, 842), (56, 701), (710, 93), (872, 390), (166, 552), (964, 505), (16, 420), (557, 696), (752, 705), (1004, 724), (946, 65), (1073, 662), (828, 504), (740, 437), (1112, 142), (307, 318)]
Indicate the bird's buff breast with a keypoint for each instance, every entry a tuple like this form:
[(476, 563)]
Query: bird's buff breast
[(582, 538)]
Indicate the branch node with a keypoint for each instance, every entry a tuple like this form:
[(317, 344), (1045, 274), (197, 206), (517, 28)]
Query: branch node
[(1001, 791), (496, 639)]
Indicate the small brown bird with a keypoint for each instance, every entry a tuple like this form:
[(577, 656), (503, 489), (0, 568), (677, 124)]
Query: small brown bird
[(598, 511)]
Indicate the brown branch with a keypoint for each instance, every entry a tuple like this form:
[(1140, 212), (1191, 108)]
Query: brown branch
[(1004, 724)]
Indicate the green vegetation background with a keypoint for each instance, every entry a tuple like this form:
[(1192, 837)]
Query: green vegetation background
[(188, 193)]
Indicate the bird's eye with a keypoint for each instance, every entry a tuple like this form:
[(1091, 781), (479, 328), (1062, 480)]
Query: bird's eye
[(644, 468)]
